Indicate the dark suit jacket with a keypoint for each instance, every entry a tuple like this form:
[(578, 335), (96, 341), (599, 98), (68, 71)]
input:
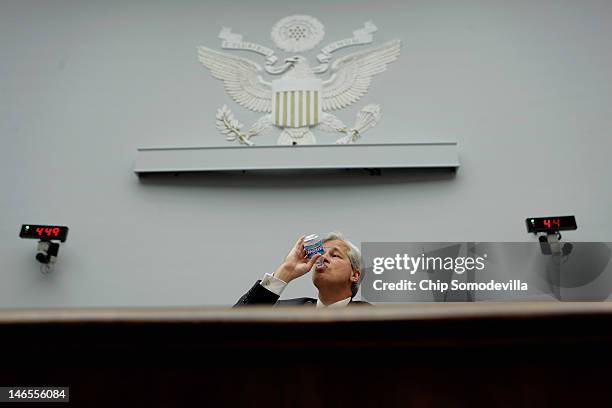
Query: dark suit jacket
[(258, 295)]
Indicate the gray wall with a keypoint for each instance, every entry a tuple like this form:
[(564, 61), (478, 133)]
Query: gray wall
[(525, 88)]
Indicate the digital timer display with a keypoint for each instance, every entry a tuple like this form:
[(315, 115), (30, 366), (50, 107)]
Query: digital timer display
[(44, 232), (551, 224)]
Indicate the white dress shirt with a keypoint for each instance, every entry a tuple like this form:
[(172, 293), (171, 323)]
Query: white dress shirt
[(275, 285), (340, 303)]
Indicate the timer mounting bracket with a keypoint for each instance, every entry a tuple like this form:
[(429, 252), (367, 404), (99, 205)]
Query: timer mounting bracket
[(46, 250), (549, 228)]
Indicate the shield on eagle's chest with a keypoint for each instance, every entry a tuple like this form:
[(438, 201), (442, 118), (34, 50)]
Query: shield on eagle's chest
[(296, 102)]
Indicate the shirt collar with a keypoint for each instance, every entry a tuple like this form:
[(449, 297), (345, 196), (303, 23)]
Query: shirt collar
[(340, 303)]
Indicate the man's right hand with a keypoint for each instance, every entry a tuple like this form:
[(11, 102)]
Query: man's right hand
[(296, 264)]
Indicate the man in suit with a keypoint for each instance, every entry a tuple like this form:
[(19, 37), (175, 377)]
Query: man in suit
[(337, 279)]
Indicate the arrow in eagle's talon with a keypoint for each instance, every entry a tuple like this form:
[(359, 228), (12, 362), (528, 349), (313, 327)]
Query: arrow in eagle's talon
[(344, 140)]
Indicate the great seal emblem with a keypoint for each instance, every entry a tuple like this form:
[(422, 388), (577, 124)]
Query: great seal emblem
[(304, 97)]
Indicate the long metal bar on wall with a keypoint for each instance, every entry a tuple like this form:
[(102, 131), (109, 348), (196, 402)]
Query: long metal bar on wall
[(237, 158)]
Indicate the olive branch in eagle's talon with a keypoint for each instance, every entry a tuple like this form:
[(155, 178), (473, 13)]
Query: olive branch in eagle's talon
[(231, 128)]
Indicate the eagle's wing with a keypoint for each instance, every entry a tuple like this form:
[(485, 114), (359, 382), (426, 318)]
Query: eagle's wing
[(240, 78), (352, 75)]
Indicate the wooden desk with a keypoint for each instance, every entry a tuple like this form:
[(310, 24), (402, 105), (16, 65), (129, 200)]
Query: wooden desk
[(483, 354)]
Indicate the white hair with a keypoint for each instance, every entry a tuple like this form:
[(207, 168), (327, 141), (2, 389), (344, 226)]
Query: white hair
[(354, 255)]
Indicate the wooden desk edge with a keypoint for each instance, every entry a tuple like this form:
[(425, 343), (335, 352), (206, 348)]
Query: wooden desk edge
[(302, 315)]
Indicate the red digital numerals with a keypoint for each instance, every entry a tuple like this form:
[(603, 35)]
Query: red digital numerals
[(47, 232), (552, 222)]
